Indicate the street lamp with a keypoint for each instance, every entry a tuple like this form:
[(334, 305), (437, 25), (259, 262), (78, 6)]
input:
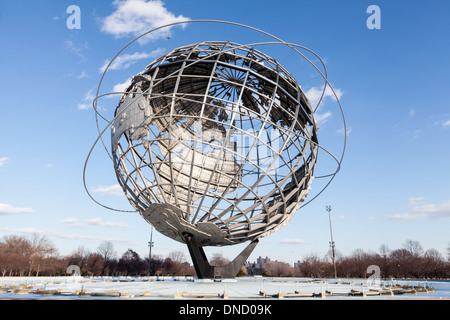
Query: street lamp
[(150, 245), (332, 245)]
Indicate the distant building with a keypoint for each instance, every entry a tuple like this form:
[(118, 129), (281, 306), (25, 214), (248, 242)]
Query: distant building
[(261, 262), (256, 268)]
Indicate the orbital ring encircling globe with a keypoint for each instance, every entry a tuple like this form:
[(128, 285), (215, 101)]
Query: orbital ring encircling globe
[(215, 143)]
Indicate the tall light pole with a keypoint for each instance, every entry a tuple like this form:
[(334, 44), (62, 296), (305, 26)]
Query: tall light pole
[(150, 245), (332, 245)]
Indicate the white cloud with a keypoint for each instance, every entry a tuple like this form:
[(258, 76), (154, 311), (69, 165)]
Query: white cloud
[(415, 200), (406, 216), (73, 222), (412, 112), (434, 210), (447, 123), (341, 131), (120, 87), (417, 134), (321, 118), (114, 190), (135, 17), (3, 161), (87, 101), (313, 94), (425, 211), (124, 61), (293, 241), (100, 222), (89, 96), (83, 106), (77, 49), (70, 221), (83, 75), (63, 235), (20, 230), (9, 209)]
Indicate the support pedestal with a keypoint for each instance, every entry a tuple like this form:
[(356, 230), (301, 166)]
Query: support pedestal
[(206, 271)]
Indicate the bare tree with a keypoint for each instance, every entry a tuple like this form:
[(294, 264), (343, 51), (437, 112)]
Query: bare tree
[(329, 255), (4, 263), (94, 264), (384, 251), (156, 264), (434, 264), (170, 267), (278, 269), (79, 258), (312, 266), (14, 244), (414, 247), (219, 260), (27, 253), (356, 264), (106, 250), (242, 272), (448, 252), (41, 247), (131, 263), (177, 256)]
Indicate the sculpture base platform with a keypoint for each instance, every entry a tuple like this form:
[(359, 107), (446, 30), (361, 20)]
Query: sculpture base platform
[(205, 271), (215, 280)]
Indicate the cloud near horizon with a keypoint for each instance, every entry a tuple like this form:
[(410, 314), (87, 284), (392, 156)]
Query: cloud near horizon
[(423, 211), (293, 241), (7, 209), (113, 190), (63, 235), (92, 222)]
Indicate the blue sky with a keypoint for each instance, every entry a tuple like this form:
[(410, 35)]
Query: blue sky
[(393, 83)]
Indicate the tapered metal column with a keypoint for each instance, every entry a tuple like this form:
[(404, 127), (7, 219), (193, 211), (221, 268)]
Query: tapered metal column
[(205, 271), (332, 245), (150, 245)]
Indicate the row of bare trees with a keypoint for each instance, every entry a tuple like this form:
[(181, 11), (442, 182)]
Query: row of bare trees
[(105, 263), (410, 261), (25, 256), (36, 255)]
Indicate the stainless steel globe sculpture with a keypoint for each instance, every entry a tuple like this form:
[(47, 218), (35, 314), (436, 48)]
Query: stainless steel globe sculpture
[(215, 144), (216, 140)]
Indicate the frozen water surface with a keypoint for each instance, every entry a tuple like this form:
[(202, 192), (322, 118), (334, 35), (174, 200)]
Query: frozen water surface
[(73, 287)]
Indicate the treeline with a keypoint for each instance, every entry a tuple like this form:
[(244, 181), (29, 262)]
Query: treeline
[(411, 261), (37, 256)]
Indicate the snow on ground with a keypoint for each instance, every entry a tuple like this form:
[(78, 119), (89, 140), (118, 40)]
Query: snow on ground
[(75, 287)]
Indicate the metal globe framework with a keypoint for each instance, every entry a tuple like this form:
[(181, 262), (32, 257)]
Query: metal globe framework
[(215, 139), (214, 144)]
